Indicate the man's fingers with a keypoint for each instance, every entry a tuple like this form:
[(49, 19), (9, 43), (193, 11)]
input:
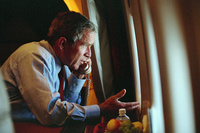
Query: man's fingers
[(120, 94), (130, 105), (132, 108), (89, 62)]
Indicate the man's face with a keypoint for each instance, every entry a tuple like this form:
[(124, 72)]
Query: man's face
[(80, 53)]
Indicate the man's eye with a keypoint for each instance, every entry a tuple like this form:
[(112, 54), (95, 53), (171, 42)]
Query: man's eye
[(87, 46)]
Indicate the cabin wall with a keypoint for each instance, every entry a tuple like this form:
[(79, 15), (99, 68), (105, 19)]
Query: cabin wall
[(167, 32), (174, 23), (25, 21)]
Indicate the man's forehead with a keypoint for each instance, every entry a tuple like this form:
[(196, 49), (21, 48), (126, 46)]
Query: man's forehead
[(88, 37)]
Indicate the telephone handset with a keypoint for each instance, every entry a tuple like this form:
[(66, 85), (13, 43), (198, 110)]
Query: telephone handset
[(86, 69)]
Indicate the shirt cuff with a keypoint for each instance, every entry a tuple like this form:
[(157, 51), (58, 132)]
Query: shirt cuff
[(75, 83), (92, 111)]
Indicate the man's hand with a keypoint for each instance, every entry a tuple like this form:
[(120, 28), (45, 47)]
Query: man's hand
[(80, 72), (112, 104)]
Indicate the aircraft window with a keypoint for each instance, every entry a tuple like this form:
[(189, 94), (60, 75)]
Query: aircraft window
[(167, 78), (134, 51), (145, 61), (174, 66), (153, 70)]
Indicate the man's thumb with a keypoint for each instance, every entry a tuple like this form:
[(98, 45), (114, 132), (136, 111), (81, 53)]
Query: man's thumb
[(120, 94)]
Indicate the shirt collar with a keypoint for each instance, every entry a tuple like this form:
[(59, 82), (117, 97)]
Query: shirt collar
[(47, 46)]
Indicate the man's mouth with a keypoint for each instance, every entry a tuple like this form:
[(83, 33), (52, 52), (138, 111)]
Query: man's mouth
[(82, 62)]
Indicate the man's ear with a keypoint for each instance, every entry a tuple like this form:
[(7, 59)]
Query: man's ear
[(62, 42)]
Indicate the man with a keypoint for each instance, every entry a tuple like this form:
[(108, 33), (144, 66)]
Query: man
[(31, 75)]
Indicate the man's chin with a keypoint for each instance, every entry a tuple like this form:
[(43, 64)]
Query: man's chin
[(75, 68)]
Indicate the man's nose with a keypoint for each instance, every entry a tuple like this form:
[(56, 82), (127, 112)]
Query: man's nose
[(88, 52)]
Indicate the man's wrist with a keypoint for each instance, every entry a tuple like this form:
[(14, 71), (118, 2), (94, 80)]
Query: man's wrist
[(101, 110), (78, 75)]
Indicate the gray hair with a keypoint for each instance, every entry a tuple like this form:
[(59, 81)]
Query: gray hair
[(70, 25)]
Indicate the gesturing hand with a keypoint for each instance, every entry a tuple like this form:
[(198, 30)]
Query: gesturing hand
[(112, 104)]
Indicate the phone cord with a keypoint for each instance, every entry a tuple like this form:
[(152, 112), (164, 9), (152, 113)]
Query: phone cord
[(87, 88)]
